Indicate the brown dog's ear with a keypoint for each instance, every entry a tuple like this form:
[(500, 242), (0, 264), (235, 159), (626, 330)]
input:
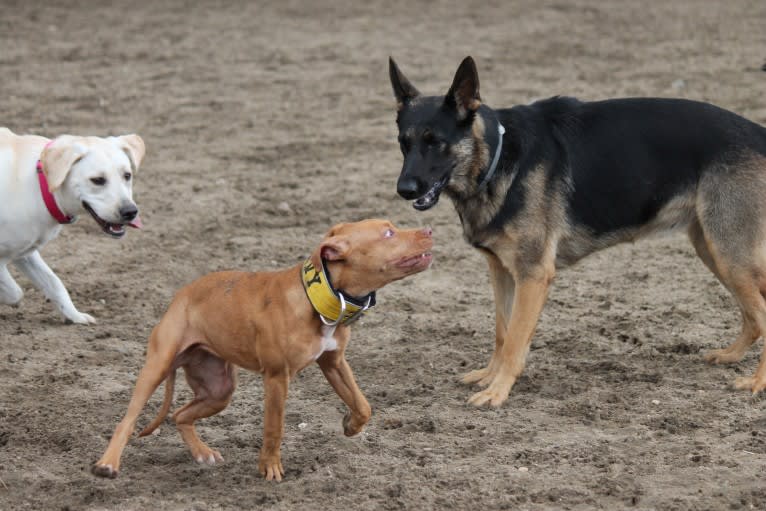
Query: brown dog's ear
[(464, 93), (403, 89), (134, 148), (334, 248), (58, 159)]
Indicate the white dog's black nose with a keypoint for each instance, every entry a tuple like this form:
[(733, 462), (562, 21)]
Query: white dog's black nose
[(129, 212)]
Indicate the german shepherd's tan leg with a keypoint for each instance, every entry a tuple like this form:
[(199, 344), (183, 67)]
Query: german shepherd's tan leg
[(528, 301), (161, 352), (275, 395), (503, 288), (213, 382), (731, 211), (750, 332), (751, 295), (339, 374)]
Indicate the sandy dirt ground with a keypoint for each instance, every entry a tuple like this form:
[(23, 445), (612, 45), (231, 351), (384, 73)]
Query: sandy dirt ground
[(265, 123)]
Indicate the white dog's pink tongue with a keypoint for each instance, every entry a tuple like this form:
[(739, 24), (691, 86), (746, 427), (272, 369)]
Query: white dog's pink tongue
[(136, 223)]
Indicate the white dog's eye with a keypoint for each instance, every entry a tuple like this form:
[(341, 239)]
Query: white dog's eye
[(98, 181), (389, 233), (127, 176)]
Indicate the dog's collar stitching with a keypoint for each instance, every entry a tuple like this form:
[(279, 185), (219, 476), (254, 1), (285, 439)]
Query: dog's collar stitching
[(48, 198), (496, 159), (334, 307)]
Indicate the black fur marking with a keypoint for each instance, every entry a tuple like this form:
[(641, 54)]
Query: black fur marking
[(629, 157)]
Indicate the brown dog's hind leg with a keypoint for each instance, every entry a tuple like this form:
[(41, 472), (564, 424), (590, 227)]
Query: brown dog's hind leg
[(339, 374), (159, 360), (750, 331), (503, 289), (213, 381)]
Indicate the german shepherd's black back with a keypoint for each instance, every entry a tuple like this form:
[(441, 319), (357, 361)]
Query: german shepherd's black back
[(625, 159), (540, 186)]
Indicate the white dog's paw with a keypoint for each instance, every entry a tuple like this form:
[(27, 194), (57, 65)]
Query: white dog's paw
[(81, 319)]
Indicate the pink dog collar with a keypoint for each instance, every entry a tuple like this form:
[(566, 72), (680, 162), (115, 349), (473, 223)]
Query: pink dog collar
[(48, 198)]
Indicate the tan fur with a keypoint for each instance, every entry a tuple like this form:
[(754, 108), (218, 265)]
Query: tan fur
[(263, 322)]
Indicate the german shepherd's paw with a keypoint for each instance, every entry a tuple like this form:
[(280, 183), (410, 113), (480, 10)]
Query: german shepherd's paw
[(723, 356), (473, 376), (753, 383), (495, 395)]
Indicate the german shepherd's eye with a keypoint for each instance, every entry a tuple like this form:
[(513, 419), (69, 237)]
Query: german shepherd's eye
[(98, 181), (429, 138)]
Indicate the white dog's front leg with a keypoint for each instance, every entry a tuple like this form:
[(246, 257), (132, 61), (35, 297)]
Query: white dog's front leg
[(45, 280), (10, 292)]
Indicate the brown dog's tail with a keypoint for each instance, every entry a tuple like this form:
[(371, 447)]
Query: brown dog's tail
[(170, 383)]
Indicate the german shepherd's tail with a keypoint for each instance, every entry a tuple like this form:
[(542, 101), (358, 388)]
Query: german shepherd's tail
[(170, 383)]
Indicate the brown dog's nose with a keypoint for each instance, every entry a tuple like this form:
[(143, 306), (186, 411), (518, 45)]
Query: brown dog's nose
[(427, 231)]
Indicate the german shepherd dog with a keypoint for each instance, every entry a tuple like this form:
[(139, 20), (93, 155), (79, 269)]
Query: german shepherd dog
[(538, 187)]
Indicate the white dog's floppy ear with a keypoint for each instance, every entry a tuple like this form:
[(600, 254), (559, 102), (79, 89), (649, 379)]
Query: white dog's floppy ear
[(134, 147), (58, 159)]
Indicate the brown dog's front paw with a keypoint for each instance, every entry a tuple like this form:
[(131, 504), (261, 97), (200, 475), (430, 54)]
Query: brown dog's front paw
[(353, 425), (207, 456), (103, 471), (271, 469)]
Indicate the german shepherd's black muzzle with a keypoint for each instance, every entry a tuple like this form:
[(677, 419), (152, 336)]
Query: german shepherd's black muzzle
[(426, 194), (424, 173)]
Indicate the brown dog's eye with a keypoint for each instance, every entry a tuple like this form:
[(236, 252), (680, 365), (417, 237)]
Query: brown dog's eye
[(388, 234), (98, 181), (127, 176)]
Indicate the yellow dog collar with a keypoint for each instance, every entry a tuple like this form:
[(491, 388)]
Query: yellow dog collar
[(333, 306)]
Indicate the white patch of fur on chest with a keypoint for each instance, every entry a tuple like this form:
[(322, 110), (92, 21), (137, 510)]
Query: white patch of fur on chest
[(327, 342)]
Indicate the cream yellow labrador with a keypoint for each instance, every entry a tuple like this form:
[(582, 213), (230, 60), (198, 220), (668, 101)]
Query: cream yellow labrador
[(45, 184)]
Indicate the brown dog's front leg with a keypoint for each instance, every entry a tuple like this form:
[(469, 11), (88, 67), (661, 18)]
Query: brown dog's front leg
[(528, 303), (274, 398), (339, 374)]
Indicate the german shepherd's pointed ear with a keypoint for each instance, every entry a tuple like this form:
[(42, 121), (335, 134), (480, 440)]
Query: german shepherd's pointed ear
[(403, 89), (464, 93)]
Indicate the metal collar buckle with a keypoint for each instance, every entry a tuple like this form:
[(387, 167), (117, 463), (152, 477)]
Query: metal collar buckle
[(342, 313)]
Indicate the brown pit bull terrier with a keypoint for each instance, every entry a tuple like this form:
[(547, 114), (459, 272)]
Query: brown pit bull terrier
[(275, 323)]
